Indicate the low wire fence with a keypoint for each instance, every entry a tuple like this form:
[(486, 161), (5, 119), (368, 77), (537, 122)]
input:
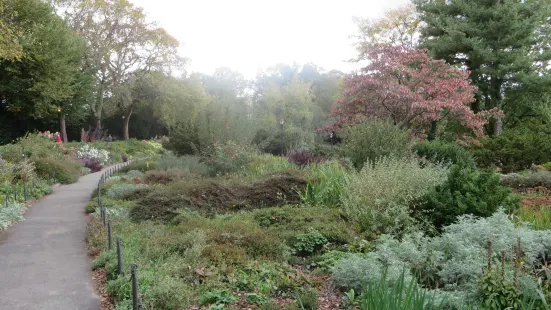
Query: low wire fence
[(50, 180), (136, 297)]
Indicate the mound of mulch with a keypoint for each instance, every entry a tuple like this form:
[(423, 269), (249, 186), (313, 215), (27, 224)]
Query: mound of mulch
[(210, 197)]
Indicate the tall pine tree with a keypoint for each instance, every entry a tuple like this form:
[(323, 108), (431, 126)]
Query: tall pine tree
[(504, 43)]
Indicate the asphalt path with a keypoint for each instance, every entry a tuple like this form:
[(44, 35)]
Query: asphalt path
[(43, 260)]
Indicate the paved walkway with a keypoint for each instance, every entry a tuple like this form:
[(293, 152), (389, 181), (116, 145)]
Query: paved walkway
[(43, 260)]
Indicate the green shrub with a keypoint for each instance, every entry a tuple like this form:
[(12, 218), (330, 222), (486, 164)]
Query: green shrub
[(275, 143), (119, 191), (267, 163), (371, 140), (309, 243), (7, 174), (379, 198), (91, 207), (256, 299), (141, 165), (65, 172), (441, 152), (190, 164), (31, 146), (515, 149), (229, 157), (217, 298), (132, 175), (184, 140), (466, 191), (326, 184), (288, 221)]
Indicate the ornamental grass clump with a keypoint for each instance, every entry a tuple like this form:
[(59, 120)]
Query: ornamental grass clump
[(382, 196)]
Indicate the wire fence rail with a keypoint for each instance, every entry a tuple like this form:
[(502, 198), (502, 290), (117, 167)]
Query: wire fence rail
[(107, 224), (50, 180)]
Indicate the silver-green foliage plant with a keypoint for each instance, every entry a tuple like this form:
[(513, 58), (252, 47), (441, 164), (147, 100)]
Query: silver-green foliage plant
[(452, 262), (12, 213), (380, 197), (188, 163), (118, 191), (135, 174)]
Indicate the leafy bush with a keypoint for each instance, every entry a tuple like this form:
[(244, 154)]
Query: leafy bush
[(85, 170), (65, 172), (441, 152), (217, 298), (309, 243), (326, 184), (267, 163), (453, 261), (379, 198), (91, 153), (141, 165), (184, 140), (229, 157), (371, 140), (272, 143), (256, 299), (31, 146), (190, 164), (12, 213), (92, 164), (303, 158), (466, 192), (119, 191), (515, 149), (6, 172)]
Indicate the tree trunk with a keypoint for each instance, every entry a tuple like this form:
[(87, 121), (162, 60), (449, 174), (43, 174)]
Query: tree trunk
[(63, 128), (99, 107), (498, 126), (432, 131), (126, 122)]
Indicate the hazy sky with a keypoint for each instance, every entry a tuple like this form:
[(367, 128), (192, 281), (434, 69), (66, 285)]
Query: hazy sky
[(248, 35)]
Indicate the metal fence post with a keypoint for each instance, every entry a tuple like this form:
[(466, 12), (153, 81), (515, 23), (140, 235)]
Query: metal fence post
[(6, 200), (49, 180), (54, 178), (104, 216), (135, 303), (15, 195), (109, 236), (119, 257), (25, 191)]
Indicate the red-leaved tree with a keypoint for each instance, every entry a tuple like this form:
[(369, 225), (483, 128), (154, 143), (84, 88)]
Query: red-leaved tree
[(413, 90)]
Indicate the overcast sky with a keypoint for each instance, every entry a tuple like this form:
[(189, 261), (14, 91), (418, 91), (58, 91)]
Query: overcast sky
[(249, 35)]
